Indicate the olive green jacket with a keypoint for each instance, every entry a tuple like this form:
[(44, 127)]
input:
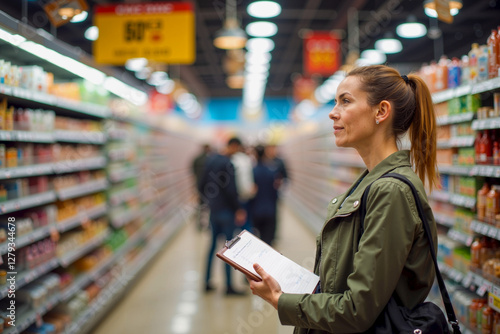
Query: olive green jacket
[(393, 255)]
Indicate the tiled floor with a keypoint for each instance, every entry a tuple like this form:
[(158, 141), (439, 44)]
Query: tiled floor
[(169, 298)]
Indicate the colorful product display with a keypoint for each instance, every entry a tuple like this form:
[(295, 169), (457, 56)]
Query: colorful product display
[(35, 79)]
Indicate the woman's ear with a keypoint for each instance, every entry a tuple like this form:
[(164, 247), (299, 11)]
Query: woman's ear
[(384, 110)]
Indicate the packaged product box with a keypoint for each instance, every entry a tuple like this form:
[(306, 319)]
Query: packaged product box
[(465, 129), (473, 102), (2, 156), (68, 90), (33, 78), (445, 184), (441, 109), (496, 103), (3, 108), (466, 156), (445, 156), (13, 189), (4, 71), (443, 132), (469, 186), (463, 105), (454, 106), (9, 119)]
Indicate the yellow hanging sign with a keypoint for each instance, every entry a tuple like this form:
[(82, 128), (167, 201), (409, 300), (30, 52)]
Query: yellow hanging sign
[(161, 31)]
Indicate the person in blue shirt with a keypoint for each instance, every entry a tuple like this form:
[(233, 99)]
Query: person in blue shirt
[(263, 204)]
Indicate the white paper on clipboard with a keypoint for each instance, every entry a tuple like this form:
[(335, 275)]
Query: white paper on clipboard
[(246, 249)]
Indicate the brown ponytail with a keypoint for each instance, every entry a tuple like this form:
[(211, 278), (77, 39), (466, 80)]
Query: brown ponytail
[(413, 110), (423, 133)]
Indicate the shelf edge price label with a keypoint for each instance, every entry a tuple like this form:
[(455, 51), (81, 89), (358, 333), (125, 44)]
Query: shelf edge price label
[(159, 31), (482, 289), (494, 302), (467, 281)]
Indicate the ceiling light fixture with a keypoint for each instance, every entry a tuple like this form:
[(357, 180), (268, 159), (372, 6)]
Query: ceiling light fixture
[(236, 81), (80, 17), (260, 45), (411, 29), (373, 57), (92, 33), (258, 57), (388, 45), (430, 7), (261, 29), (257, 68), (231, 36), (264, 9)]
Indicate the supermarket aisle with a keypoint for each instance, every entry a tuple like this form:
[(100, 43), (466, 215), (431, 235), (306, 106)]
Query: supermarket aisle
[(169, 298)]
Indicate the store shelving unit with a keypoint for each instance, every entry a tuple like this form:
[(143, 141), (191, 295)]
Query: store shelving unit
[(147, 190)]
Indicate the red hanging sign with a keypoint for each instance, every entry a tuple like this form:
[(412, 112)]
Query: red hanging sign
[(321, 53)]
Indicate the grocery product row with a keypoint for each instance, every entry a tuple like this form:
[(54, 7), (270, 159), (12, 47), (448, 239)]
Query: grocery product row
[(82, 213), (481, 63), (36, 79)]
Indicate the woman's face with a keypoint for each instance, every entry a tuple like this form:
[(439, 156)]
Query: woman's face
[(353, 119)]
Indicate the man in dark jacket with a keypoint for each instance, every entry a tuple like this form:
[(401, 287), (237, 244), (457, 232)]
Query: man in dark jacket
[(198, 168), (218, 186)]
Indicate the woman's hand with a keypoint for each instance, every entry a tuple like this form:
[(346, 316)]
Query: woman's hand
[(268, 289)]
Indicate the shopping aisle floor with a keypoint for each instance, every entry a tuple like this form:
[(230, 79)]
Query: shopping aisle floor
[(169, 297)]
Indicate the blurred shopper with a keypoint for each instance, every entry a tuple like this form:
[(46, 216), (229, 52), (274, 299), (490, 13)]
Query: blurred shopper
[(263, 204), (218, 187), (198, 167), (277, 165), (245, 186), (359, 272)]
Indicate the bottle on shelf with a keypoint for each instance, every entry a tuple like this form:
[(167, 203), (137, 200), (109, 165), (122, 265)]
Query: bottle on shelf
[(493, 41), (474, 306), (482, 63), (492, 204), (479, 316), (481, 201), (477, 144), (496, 323), (473, 63), (465, 65), (475, 249), (496, 153), (487, 320), (484, 149), (441, 80), (498, 51), (454, 73)]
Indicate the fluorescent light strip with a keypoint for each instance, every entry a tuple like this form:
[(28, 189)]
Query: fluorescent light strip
[(125, 91), (86, 72), (69, 64)]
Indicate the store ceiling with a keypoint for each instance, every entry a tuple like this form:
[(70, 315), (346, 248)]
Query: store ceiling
[(206, 77)]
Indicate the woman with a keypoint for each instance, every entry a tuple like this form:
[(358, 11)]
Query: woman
[(375, 106)]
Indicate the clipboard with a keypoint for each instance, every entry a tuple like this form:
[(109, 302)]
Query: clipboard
[(228, 245), (245, 249)]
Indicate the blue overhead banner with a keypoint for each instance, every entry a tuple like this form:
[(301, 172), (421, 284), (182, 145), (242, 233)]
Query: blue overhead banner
[(228, 110)]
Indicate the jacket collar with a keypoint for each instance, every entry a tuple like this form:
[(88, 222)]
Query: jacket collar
[(395, 160)]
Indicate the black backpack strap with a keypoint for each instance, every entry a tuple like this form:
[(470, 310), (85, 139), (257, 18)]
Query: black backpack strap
[(452, 319)]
